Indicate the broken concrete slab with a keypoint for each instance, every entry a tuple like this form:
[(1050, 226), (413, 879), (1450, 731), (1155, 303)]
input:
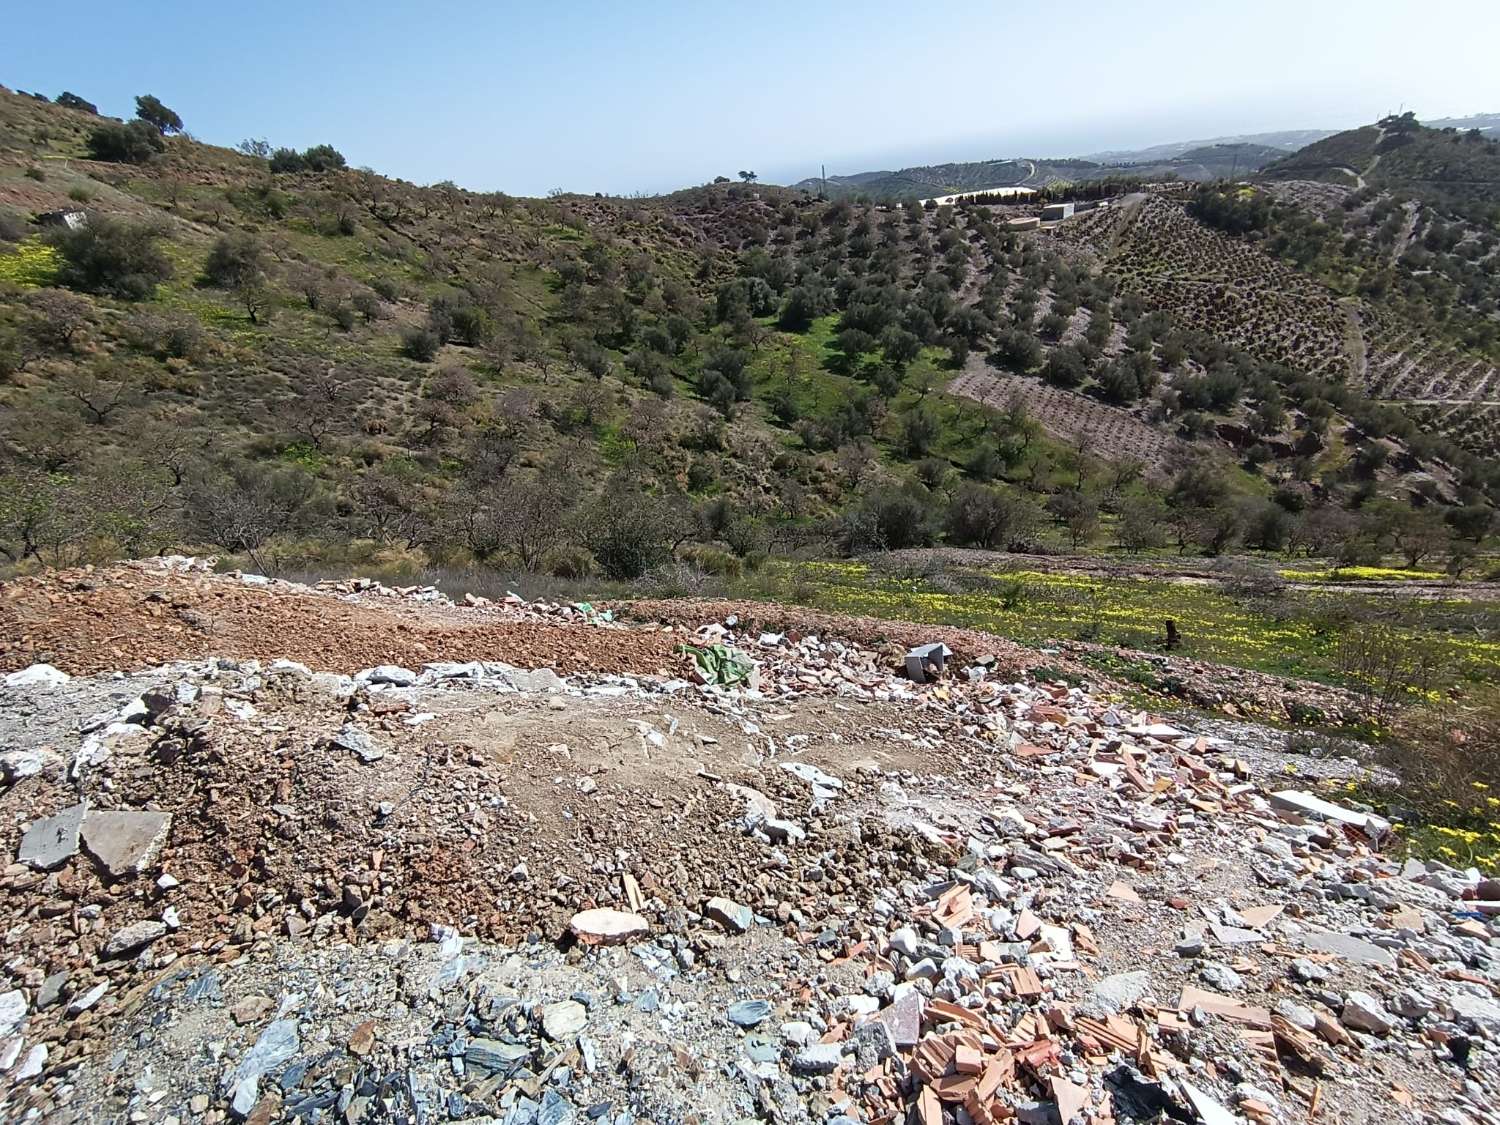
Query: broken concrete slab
[(1305, 804), (125, 842), (1115, 994), (52, 842)]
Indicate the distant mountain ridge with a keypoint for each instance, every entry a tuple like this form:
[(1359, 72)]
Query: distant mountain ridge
[(1202, 160)]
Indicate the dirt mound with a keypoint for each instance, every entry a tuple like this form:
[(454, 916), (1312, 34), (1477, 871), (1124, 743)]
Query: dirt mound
[(92, 620)]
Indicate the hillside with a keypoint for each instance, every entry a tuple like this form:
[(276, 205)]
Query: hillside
[(1195, 161), (1457, 171), (275, 356)]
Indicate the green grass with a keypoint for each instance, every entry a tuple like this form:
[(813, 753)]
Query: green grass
[(1289, 635)]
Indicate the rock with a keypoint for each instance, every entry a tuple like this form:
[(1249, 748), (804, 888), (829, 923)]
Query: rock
[(32, 1065), (798, 1032), (1221, 977), (86, 1001), (1305, 804), (392, 674), (818, 1058), (540, 681), (51, 991), (904, 1017), (1411, 1005), (12, 1011), (276, 1044), (1488, 890), (362, 1039), (564, 1019), (1308, 972), (1297, 1015), (52, 842), (1472, 1008), (133, 937), (1114, 994), (1363, 1012), (37, 676), (749, 1013), (1350, 948), (608, 927), (252, 1009), (905, 941), (495, 1056), (125, 843), (18, 764), (925, 969), (357, 741), (729, 914)]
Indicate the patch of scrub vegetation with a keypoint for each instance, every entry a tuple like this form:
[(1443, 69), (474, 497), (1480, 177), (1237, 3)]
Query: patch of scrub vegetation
[(1292, 633), (1364, 574), (32, 265)]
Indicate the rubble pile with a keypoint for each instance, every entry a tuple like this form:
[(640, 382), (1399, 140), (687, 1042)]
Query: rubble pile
[(804, 880)]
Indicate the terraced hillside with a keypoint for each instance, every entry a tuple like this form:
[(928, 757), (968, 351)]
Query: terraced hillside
[(278, 357)]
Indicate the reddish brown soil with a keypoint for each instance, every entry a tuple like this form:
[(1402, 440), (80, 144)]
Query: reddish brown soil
[(89, 621)]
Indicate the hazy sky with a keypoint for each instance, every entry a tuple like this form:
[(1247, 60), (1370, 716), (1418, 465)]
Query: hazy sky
[(646, 96)]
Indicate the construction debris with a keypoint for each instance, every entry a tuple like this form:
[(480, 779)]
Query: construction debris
[(444, 887)]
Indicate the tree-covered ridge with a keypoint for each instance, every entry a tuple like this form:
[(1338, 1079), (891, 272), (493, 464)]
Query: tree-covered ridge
[(273, 354)]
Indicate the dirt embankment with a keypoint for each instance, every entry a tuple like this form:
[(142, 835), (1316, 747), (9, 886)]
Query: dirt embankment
[(88, 621)]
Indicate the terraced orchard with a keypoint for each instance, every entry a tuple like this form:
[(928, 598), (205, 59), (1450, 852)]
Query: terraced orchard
[(1109, 432)]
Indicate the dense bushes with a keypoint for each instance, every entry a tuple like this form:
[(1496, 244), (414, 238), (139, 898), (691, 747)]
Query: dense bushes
[(318, 158), (113, 257), (132, 143)]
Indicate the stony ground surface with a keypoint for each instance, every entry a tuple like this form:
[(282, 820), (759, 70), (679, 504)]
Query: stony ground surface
[(340, 855)]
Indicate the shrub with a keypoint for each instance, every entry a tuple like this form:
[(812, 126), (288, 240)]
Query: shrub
[(235, 260), (629, 530), (420, 344), (112, 257), (712, 560), (888, 519), (568, 562), (133, 143)]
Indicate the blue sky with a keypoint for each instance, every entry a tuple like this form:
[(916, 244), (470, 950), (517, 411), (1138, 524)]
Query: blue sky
[(644, 96)]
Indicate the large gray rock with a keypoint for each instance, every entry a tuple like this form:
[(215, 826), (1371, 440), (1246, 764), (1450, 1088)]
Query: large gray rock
[(125, 843), (818, 1058), (135, 936), (1363, 1012), (564, 1019), (1350, 948), (52, 842), (729, 914)]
